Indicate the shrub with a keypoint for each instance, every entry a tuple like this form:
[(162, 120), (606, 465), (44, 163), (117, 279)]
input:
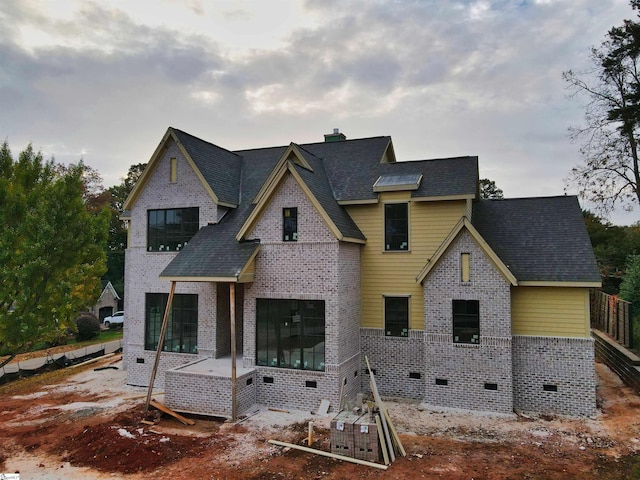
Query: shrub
[(59, 338), (88, 327)]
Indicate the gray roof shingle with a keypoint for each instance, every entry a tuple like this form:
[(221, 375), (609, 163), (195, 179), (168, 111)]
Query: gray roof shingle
[(539, 239), (342, 171), (220, 168)]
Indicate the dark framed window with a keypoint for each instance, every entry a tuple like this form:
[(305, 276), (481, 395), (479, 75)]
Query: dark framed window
[(290, 224), (396, 316), (290, 333), (182, 326), (396, 226), (466, 321), (169, 230)]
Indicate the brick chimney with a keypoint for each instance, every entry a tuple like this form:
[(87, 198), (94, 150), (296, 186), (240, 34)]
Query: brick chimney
[(336, 136)]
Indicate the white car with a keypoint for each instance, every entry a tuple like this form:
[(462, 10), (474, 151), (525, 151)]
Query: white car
[(115, 319)]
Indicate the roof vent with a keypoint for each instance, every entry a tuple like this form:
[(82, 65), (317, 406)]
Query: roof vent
[(336, 136)]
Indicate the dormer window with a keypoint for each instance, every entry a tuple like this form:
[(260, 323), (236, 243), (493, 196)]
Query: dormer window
[(396, 227), (290, 224)]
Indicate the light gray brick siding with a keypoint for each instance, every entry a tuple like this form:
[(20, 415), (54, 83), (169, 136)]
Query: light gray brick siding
[(395, 361), (564, 363), (315, 267), (207, 394), (142, 269), (531, 374), (467, 368)]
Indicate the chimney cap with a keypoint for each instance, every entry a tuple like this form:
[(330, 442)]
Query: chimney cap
[(336, 136)]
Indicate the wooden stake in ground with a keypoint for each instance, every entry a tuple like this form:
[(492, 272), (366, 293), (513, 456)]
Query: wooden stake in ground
[(163, 331)]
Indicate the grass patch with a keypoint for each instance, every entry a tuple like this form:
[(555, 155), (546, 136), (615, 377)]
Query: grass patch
[(72, 344), (105, 336)]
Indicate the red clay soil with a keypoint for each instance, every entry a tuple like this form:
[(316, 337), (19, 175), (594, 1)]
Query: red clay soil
[(120, 444)]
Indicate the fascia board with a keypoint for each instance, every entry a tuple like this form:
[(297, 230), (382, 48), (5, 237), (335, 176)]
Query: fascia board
[(549, 283)]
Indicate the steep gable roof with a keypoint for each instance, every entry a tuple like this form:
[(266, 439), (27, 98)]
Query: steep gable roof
[(542, 240), (218, 169), (308, 171), (329, 173), (465, 224)]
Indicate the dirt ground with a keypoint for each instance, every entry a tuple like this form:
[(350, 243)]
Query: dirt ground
[(87, 426)]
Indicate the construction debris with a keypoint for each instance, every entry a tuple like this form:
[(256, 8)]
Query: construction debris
[(168, 411), (328, 454)]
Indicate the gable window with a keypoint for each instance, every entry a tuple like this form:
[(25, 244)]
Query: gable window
[(396, 316), (173, 170), (290, 224), (182, 326), (465, 267), (396, 226), (170, 230), (466, 321), (290, 333)]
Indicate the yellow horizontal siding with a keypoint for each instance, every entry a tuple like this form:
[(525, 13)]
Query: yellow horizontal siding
[(388, 273), (550, 311)]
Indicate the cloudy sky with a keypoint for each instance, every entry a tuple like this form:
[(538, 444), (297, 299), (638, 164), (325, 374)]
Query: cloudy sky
[(103, 80)]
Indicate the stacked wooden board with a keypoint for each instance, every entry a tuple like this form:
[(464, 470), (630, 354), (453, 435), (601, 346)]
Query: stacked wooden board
[(370, 436)]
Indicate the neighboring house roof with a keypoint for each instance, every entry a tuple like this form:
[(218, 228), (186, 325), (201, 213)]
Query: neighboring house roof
[(541, 240), (108, 287)]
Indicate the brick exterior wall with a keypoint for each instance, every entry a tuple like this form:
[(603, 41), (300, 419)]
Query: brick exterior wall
[(468, 368), (315, 267), (564, 363), (207, 394), (524, 370), (143, 268), (396, 362)]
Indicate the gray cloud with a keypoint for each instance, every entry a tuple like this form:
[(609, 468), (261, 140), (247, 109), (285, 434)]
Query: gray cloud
[(444, 78)]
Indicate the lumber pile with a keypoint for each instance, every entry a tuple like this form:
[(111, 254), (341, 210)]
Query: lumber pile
[(366, 433)]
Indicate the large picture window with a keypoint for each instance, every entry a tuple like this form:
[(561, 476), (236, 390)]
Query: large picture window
[(290, 333), (396, 226), (396, 316), (182, 327), (170, 230), (466, 321)]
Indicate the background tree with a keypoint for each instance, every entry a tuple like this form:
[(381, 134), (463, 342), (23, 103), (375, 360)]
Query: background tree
[(117, 242), (52, 249), (610, 174), (612, 245), (630, 287), (488, 189)]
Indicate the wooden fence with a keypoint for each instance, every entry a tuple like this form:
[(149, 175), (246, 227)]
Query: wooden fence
[(612, 316)]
